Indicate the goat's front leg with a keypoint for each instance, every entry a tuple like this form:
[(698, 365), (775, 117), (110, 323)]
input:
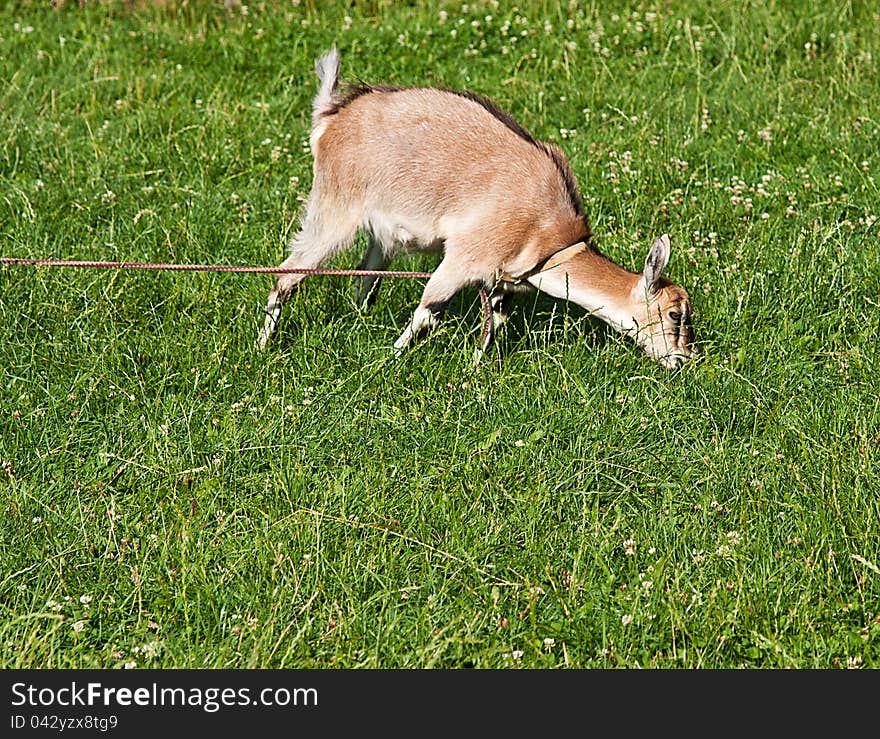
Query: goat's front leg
[(444, 283)]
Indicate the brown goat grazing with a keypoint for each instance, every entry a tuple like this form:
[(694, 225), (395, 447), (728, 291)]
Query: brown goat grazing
[(432, 169)]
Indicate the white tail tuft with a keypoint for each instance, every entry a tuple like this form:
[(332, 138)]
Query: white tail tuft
[(327, 68)]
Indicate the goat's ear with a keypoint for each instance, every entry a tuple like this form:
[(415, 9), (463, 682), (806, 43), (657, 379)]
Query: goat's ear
[(656, 262)]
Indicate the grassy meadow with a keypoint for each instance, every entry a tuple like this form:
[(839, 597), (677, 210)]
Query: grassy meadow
[(172, 497)]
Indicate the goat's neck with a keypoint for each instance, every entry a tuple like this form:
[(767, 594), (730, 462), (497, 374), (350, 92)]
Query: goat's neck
[(597, 284)]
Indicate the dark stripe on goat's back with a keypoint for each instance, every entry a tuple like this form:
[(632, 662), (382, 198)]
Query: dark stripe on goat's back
[(353, 92), (490, 107), (574, 195)]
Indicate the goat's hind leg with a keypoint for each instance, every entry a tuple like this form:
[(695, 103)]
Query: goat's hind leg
[(318, 240), (375, 259)]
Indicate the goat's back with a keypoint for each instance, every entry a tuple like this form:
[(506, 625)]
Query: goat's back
[(435, 151)]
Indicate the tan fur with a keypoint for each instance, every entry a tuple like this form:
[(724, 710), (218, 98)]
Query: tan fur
[(429, 169)]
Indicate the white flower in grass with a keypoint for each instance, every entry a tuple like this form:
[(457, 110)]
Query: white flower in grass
[(79, 626), (733, 538), (629, 547), (626, 619), (150, 649)]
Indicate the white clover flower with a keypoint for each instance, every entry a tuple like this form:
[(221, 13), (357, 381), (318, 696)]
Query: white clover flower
[(150, 649)]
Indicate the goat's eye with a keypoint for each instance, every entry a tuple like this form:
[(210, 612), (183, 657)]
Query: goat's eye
[(674, 316)]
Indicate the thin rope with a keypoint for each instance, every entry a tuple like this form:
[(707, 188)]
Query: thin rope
[(13, 261), (207, 268)]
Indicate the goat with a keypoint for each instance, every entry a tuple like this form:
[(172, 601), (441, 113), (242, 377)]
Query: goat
[(441, 170)]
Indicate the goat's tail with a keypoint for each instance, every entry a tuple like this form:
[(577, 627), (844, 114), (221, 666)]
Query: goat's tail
[(327, 68)]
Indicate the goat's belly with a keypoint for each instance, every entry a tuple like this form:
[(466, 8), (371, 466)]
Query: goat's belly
[(396, 233)]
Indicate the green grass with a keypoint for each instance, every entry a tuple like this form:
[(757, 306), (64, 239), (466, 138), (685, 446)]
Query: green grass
[(173, 498)]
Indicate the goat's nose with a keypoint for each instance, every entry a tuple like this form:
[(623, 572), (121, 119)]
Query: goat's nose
[(673, 361)]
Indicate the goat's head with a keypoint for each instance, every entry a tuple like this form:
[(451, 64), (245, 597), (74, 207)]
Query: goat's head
[(663, 314)]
